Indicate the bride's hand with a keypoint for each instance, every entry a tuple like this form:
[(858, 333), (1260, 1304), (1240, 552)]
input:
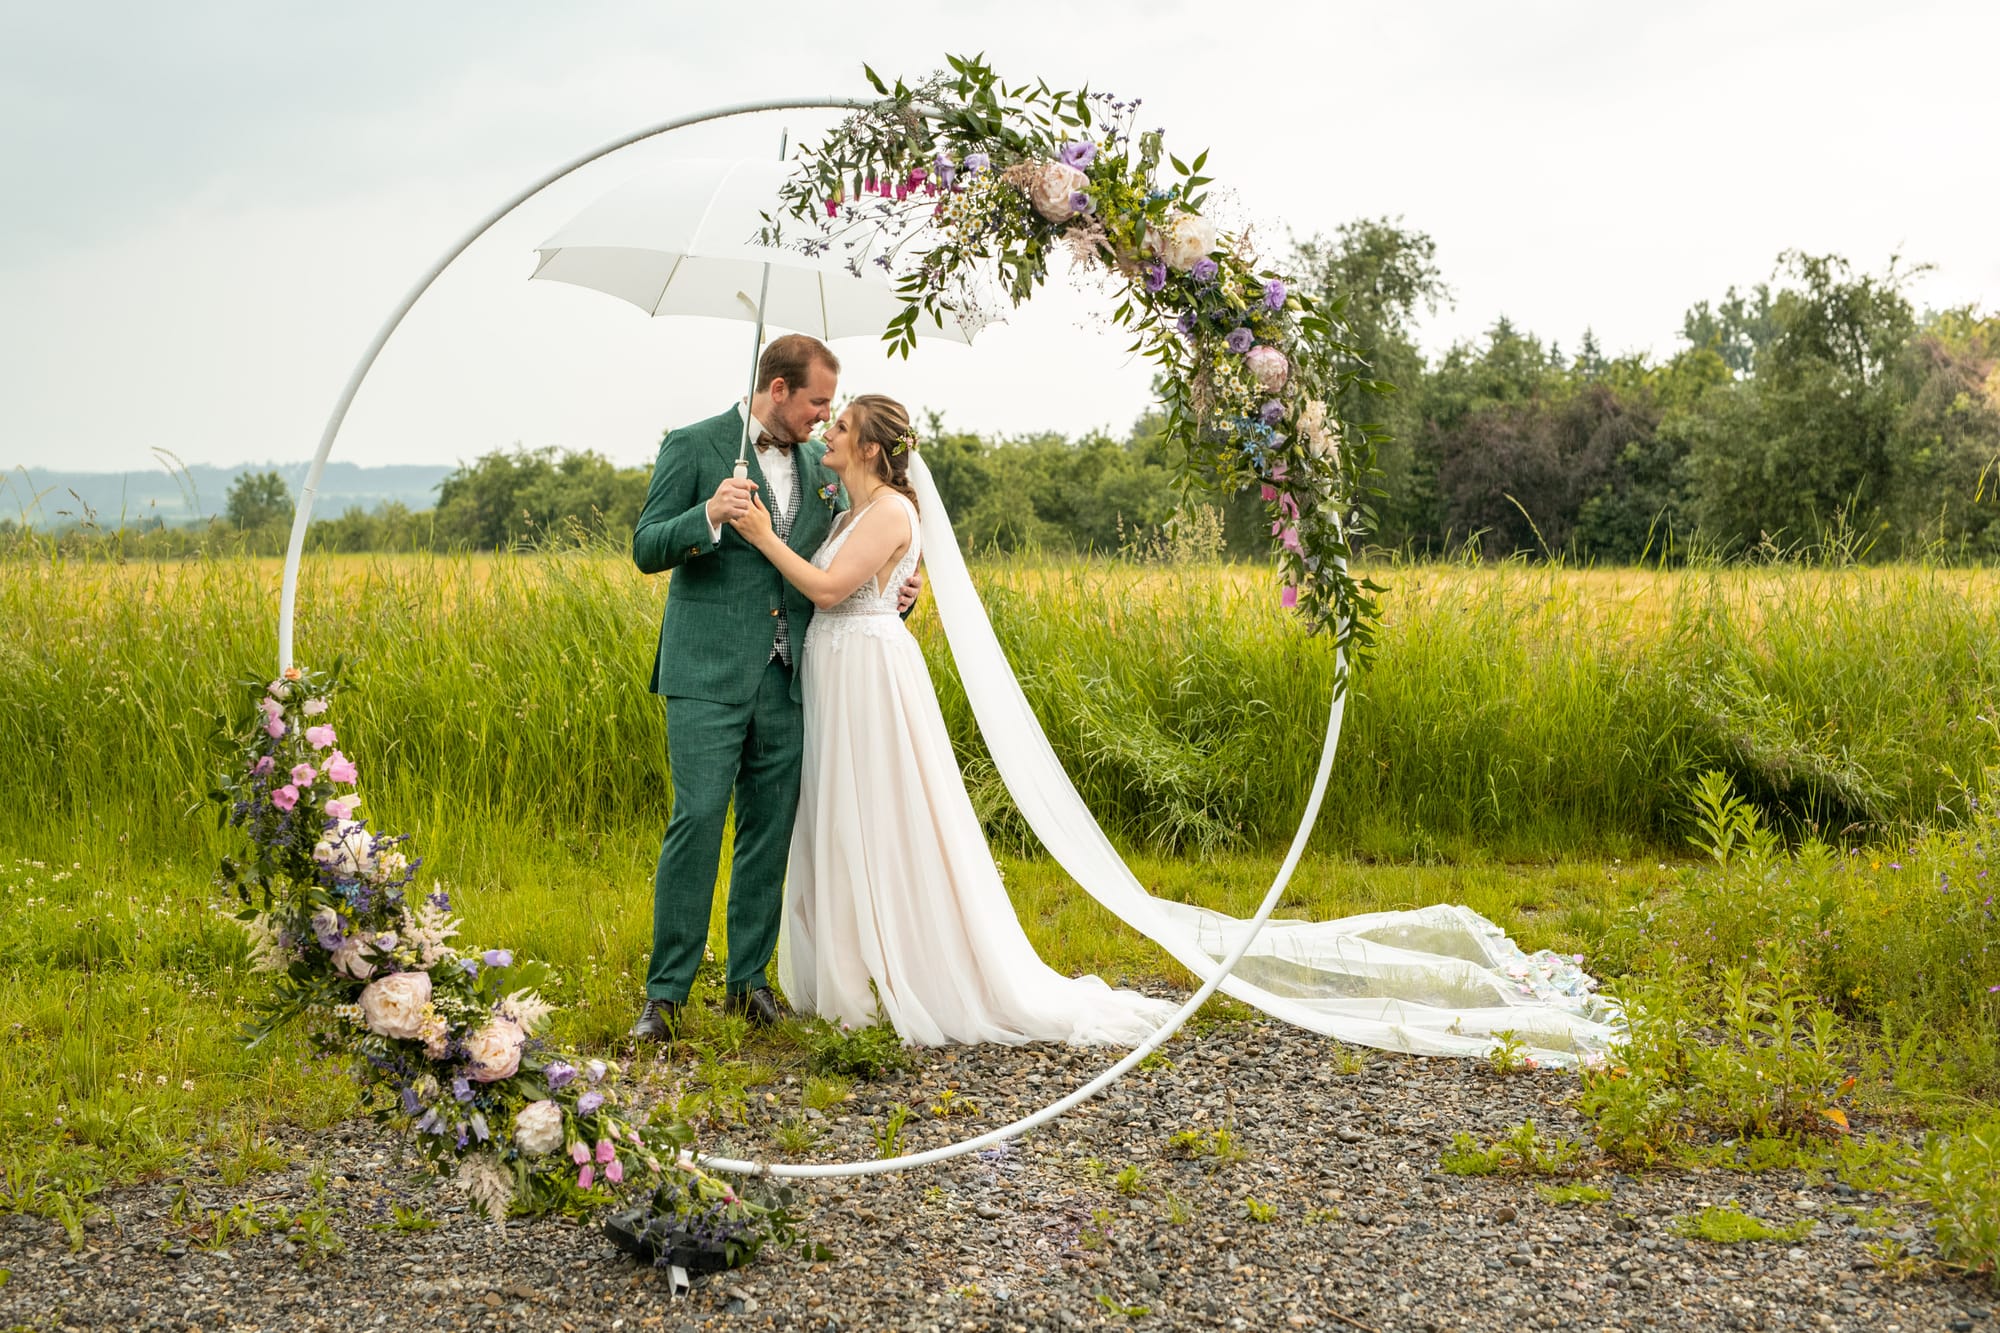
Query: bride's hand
[(755, 522)]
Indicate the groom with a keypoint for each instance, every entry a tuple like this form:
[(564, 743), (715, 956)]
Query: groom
[(727, 666)]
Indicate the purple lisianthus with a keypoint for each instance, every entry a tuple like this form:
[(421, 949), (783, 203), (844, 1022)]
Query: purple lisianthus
[(1204, 269), (947, 170), (1272, 412), (1079, 155), (1274, 295), (976, 162), (589, 1102), (595, 1070), (470, 966), (1186, 323), (1081, 204), (559, 1074), (498, 958), (1240, 340), (1156, 276)]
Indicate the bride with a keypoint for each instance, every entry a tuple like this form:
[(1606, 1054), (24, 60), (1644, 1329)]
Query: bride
[(891, 896)]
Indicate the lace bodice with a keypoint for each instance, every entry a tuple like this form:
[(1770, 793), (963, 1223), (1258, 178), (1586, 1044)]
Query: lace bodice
[(873, 599)]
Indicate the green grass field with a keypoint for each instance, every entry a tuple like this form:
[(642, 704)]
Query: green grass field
[(1526, 740)]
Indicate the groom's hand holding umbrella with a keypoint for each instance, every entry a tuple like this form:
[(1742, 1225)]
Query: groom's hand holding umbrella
[(732, 500)]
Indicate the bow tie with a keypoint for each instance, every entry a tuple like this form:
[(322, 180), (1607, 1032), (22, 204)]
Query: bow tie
[(773, 444)]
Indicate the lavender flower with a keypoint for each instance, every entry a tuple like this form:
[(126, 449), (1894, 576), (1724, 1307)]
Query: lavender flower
[(1081, 204), (1186, 323), (471, 966), (410, 1103), (1204, 269), (461, 1088), (440, 900), (559, 1074), (589, 1102), (1079, 155), (1240, 340), (976, 163), (498, 957), (1156, 276), (1272, 413), (1274, 295)]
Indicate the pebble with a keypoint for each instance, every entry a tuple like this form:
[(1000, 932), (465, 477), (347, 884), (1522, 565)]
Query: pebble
[(1035, 1234)]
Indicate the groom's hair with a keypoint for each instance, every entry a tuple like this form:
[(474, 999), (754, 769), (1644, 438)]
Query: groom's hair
[(791, 359)]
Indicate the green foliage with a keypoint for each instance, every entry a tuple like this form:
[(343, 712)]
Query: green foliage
[(1130, 1180), (1957, 1176), (1218, 1146), (889, 1137), (1729, 1225), (258, 500), (1256, 1210), (536, 496), (871, 1052), (1569, 1196), (1522, 1151)]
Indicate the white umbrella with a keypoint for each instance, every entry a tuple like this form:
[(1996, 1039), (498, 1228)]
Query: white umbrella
[(682, 240)]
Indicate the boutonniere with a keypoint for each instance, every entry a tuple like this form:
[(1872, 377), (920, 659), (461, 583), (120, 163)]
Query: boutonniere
[(830, 493)]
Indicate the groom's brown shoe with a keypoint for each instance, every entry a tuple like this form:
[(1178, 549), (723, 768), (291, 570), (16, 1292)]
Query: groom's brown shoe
[(657, 1021), (758, 1005)]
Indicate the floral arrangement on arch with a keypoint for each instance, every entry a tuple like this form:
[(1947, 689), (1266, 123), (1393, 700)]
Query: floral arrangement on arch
[(447, 1040), (962, 180)]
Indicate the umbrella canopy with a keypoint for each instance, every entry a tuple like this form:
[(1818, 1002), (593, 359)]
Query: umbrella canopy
[(682, 240)]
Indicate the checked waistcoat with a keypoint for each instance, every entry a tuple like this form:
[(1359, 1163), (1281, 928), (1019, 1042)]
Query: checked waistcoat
[(781, 523)]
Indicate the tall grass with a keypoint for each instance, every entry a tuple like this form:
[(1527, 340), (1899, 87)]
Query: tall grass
[(1513, 712)]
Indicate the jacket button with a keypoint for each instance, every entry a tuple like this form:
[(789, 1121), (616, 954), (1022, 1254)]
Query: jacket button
[(774, 610)]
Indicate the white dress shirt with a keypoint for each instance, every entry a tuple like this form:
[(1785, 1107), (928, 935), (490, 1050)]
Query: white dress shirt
[(777, 466)]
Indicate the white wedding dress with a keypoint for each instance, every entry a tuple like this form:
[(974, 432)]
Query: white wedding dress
[(892, 898)]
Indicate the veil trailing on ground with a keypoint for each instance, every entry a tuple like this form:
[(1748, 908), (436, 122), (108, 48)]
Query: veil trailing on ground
[(1438, 980)]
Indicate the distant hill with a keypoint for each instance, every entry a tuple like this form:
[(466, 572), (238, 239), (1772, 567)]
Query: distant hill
[(48, 499)]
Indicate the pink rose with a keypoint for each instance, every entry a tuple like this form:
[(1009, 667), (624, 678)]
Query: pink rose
[(1267, 365), (285, 797), (339, 768), (1053, 190), (319, 737), (303, 774), (396, 1005), (495, 1050)]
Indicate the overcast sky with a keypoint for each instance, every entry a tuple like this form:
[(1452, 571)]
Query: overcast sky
[(212, 206)]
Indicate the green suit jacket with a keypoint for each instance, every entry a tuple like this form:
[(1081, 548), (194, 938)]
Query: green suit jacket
[(722, 603)]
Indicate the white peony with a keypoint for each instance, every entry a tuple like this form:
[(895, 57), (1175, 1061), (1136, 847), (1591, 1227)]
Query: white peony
[(495, 1050), (398, 1005), (538, 1128), (349, 849), (1051, 188), (1188, 237)]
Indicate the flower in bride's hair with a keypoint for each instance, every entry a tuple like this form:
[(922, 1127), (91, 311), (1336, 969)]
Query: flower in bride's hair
[(1052, 189)]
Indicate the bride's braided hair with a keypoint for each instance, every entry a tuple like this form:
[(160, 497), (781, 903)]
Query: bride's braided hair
[(881, 420)]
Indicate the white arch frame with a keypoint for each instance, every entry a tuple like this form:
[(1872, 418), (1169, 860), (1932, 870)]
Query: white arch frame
[(288, 598)]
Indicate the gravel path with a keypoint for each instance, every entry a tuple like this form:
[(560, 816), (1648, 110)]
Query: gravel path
[(1363, 1232)]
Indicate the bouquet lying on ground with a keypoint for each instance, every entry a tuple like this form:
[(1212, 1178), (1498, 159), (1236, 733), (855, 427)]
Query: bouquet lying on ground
[(446, 1040)]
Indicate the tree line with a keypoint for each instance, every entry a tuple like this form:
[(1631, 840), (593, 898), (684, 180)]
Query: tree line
[(1818, 406)]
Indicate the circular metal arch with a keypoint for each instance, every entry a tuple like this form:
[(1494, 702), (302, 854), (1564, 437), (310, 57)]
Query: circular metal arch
[(289, 595)]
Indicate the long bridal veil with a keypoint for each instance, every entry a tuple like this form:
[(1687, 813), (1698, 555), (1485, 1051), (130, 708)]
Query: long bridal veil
[(1437, 980)]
